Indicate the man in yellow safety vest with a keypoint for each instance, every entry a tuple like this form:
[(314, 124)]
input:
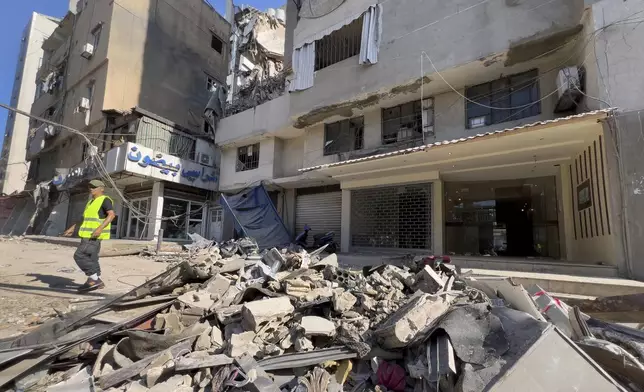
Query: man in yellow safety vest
[(96, 225)]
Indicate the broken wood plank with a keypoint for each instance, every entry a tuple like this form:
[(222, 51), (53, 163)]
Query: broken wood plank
[(187, 363), (124, 374)]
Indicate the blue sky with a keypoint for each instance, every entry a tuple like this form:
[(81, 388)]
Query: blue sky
[(14, 18)]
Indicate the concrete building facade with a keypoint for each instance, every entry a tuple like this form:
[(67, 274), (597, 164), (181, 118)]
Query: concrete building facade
[(13, 164), (134, 78), (489, 131)]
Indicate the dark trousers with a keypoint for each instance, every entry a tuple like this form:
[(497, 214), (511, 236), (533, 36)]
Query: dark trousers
[(86, 256)]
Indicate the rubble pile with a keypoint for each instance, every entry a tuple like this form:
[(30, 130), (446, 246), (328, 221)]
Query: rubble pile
[(228, 317)]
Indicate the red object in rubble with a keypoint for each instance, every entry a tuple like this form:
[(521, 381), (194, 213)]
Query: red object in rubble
[(391, 376)]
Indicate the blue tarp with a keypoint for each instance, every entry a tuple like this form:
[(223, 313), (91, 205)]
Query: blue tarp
[(256, 216)]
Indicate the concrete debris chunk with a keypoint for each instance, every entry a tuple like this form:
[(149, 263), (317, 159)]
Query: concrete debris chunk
[(197, 299), (412, 318), (218, 285), (216, 337), (429, 280), (317, 326), (257, 312), (303, 344), (331, 260), (204, 341), (243, 343), (343, 300)]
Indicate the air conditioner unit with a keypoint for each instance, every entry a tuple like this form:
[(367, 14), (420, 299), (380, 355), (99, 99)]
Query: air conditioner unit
[(88, 51), (569, 89), (567, 80), (205, 159), (83, 104)]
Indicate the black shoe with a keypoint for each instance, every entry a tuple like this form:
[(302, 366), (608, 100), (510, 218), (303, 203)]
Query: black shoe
[(91, 285)]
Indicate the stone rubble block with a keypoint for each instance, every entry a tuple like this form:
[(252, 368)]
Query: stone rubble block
[(257, 312)]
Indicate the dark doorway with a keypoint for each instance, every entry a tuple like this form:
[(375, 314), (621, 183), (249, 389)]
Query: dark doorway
[(514, 215)]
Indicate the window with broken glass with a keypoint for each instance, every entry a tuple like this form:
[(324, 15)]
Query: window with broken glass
[(137, 222), (211, 84), (181, 217), (339, 45), (344, 136), (402, 123), (506, 99), (182, 146), (248, 157), (217, 44)]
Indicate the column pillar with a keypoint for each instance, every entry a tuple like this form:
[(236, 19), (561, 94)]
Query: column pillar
[(438, 217), (288, 215), (345, 232), (566, 213), (156, 211)]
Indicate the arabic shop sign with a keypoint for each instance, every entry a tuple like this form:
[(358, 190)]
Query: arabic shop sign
[(145, 161), (70, 177), (164, 168)]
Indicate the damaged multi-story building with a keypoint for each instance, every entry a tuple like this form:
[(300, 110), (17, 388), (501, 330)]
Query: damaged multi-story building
[(134, 78), (257, 58), (505, 133)]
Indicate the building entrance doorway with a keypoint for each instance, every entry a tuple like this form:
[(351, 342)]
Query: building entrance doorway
[(515, 218)]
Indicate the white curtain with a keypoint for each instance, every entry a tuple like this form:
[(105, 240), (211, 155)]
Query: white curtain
[(303, 66), (371, 32)]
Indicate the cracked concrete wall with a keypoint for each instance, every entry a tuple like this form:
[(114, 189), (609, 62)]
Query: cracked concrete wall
[(618, 53), (457, 33)]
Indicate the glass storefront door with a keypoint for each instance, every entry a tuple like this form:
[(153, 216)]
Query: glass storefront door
[(515, 218)]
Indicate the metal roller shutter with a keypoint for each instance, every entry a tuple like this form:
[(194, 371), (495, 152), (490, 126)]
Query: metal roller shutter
[(321, 211)]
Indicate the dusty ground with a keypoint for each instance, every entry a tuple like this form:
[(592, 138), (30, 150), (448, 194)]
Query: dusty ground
[(37, 277)]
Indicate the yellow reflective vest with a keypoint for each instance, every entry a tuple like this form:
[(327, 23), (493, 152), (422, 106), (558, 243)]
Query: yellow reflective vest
[(91, 220)]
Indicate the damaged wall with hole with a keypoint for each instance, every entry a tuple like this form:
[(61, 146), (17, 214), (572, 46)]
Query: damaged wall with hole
[(257, 67), (455, 39)]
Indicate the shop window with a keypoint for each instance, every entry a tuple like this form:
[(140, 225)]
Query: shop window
[(339, 45), (402, 123), (181, 217), (487, 101), (248, 157), (344, 136), (138, 218)]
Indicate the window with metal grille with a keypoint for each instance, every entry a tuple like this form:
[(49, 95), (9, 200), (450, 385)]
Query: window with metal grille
[(397, 217), (520, 92), (248, 157), (402, 123), (216, 44), (339, 45), (182, 146), (344, 136)]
